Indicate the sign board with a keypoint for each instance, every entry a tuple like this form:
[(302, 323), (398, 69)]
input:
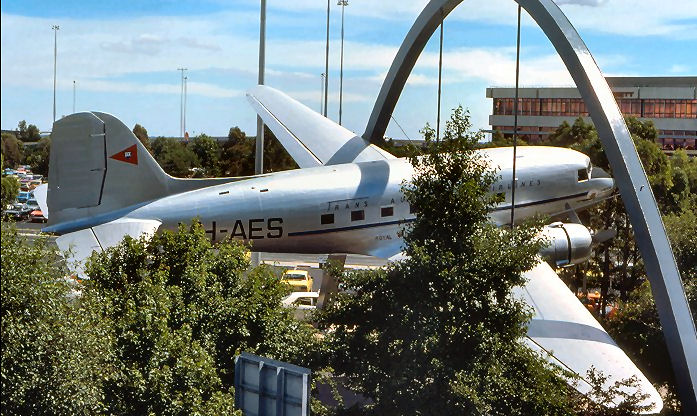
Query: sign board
[(266, 387)]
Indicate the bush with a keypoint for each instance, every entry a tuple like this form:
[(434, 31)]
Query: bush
[(181, 310), (55, 349)]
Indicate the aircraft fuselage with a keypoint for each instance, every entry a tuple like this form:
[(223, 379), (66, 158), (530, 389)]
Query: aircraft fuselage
[(359, 208)]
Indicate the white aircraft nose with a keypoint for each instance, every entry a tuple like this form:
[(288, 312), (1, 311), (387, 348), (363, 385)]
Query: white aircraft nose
[(601, 187)]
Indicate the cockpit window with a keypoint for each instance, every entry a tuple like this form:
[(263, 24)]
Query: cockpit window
[(582, 175)]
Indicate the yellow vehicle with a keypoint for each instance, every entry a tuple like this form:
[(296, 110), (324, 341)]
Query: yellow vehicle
[(298, 280)]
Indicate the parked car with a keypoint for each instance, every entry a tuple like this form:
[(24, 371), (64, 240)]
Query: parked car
[(18, 211), (303, 303), (298, 280), (23, 197), (32, 202), (37, 216)]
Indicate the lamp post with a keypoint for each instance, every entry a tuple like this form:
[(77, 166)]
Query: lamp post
[(342, 3), (321, 93), (55, 59), (326, 65), (259, 155), (73, 96), (259, 151), (181, 104), (186, 81)]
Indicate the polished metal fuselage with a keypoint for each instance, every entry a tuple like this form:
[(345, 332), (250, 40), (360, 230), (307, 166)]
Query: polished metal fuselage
[(359, 208)]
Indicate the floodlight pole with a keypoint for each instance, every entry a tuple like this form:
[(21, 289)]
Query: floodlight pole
[(342, 3), (55, 60), (186, 82), (321, 93), (73, 96), (326, 65), (259, 157), (181, 104)]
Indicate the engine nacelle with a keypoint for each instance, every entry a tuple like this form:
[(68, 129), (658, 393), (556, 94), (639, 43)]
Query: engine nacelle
[(568, 244)]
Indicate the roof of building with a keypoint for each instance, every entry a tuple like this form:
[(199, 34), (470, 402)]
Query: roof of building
[(652, 81)]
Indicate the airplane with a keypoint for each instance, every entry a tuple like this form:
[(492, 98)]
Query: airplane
[(345, 198)]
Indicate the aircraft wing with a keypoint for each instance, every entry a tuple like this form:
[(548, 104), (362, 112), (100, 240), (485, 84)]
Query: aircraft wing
[(80, 244), (310, 138), (567, 334)]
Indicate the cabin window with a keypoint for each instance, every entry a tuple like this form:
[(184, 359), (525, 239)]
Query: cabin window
[(386, 211), (582, 175), (412, 210), (358, 215), (327, 219)]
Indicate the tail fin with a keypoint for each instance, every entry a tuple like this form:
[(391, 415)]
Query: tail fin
[(98, 165)]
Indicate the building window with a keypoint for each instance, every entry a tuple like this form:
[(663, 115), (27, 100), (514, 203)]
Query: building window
[(386, 211), (327, 219), (357, 215)]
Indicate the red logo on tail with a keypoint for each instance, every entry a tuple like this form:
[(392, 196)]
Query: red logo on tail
[(128, 155)]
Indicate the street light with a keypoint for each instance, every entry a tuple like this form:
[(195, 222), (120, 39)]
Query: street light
[(55, 58), (342, 3), (73, 96)]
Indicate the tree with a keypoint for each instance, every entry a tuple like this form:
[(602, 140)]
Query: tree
[(237, 154), (181, 310), (55, 350), (12, 149), (498, 139), (440, 332), (567, 135), (10, 188), (276, 158), (142, 134), (174, 157), (390, 146), (39, 156), (28, 133), (636, 326), (236, 134), (208, 153)]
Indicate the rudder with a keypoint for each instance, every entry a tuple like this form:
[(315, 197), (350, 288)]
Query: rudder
[(98, 165)]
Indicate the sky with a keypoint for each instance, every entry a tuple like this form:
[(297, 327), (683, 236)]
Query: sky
[(122, 56)]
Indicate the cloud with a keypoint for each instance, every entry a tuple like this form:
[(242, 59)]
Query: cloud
[(144, 44), (669, 18), (679, 69), (196, 44), (593, 3), (139, 55), (193, 88)]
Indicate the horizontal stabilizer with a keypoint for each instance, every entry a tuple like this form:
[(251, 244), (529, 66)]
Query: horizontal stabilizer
[(311, 139), (565, 332), (81, 244), (40, 194)]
